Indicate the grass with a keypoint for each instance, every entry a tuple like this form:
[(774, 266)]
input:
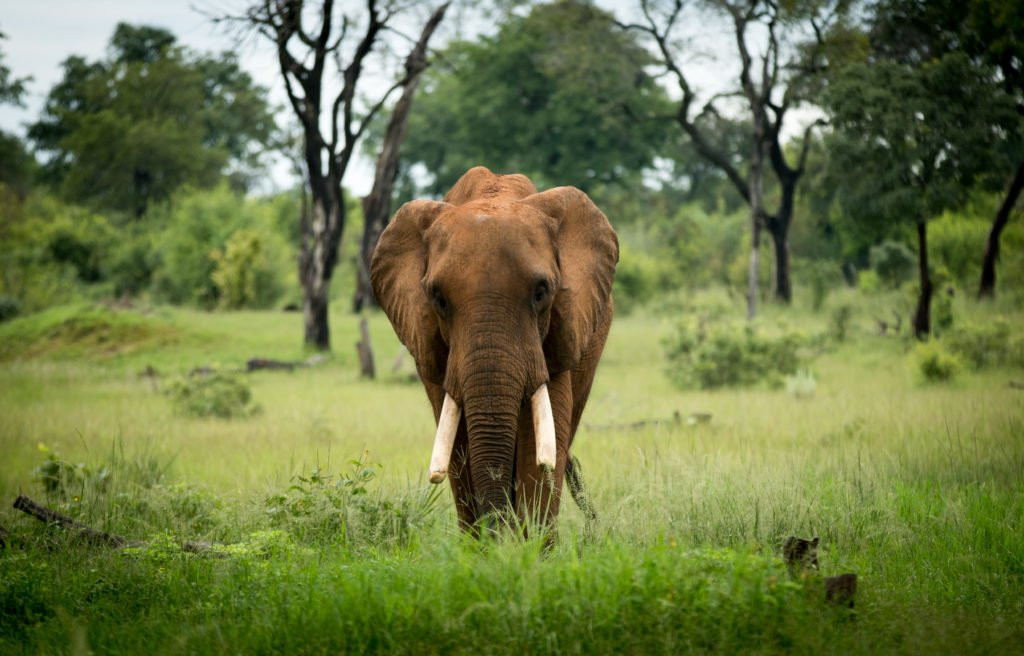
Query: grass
[(919, 489)]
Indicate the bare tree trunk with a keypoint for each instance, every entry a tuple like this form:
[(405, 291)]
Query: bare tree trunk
[(317, 257), (922, 315), (365, 351), (783, 286), (756, 182), (377, 204), (987, 287)]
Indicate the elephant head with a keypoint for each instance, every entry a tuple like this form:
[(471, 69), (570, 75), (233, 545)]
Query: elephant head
[(503, 297)]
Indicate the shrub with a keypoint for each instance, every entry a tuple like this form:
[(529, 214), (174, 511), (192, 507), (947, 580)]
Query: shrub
[(9, 308), (868, 282), (242, 274), (934, 362), (839, 322), (328, 509), (893, 262), (216, 395), (730, 357), (987, 345)]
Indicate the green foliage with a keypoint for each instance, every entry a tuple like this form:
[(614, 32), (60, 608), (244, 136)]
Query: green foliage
[(893, 262), (839, 322), (555, 94), (934, 362), (9, 308), (127, 131), (208, 240), (243, 275), (730, 357), (63, 480), (11, 88), (325, 509), (215, 395), (956, 242), (923, 133), (989, 344)]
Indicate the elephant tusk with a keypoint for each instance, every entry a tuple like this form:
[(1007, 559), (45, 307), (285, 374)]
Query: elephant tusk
[(444, 441), (543, 427)]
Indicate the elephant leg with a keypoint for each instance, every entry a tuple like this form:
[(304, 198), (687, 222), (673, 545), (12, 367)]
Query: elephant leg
[(538, 492)]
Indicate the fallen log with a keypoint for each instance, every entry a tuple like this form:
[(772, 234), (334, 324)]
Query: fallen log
[(93, 536), (86, 533), (256, 364)]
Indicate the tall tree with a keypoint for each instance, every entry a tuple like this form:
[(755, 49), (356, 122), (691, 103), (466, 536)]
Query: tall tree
[(771, 83), (377, 204), (559, 94), (991, 34), (128, 130), (925, 139), (15, 161), (307, 36)]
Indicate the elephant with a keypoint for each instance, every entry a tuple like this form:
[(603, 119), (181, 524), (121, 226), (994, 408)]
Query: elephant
[(503, 296)]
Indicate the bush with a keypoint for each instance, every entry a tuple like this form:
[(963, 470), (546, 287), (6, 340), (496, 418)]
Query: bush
[(934, 362), (731, 358), (9, 308), (956, 242), (987, 345), (327, 509), (216, 395), (839, 322), (242, 274), (893, 262)]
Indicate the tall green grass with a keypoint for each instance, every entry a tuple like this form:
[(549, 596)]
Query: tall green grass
[(919, 489)]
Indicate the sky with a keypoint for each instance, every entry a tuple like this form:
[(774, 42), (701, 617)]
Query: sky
[(43, 33)]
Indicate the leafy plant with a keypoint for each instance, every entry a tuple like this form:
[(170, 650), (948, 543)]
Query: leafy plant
[(325, 508), (9, 308), (934, 362), (216, 395), (65, 480), (987, 345), (730, 357)]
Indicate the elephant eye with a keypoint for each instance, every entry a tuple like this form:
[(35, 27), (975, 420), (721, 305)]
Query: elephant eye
[(540, 293), (440, 304)]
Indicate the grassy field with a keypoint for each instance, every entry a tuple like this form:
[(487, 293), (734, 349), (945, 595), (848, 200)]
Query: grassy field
[(919, 489)]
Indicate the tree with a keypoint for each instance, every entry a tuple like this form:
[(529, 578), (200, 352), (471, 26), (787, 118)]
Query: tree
[(771, 84), (129, 130), (15, 162), (925, 139), (330, 134), (560, 94), (377, 204), (991, 33)]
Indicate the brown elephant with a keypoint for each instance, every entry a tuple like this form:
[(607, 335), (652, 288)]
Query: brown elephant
[(503, 295)]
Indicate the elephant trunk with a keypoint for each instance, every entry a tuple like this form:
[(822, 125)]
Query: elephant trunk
[(492, 400)]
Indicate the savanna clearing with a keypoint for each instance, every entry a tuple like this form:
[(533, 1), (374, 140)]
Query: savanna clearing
[(917, 488)]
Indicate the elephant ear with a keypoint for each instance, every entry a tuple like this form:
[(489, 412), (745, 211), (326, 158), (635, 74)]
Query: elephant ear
[(588, 251), (396, 273)]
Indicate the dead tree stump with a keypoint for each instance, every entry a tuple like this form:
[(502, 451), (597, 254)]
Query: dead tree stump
[(365, 350)]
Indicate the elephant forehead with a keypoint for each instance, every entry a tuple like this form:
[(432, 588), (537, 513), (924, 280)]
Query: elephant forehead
[(483, 231)]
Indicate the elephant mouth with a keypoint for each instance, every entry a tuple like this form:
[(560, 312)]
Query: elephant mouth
[(448, 426)]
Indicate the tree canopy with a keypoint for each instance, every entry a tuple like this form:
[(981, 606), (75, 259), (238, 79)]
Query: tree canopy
[(560, 94), (128, 130)]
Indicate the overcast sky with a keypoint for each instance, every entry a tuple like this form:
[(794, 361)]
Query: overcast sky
[(43, 33)]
